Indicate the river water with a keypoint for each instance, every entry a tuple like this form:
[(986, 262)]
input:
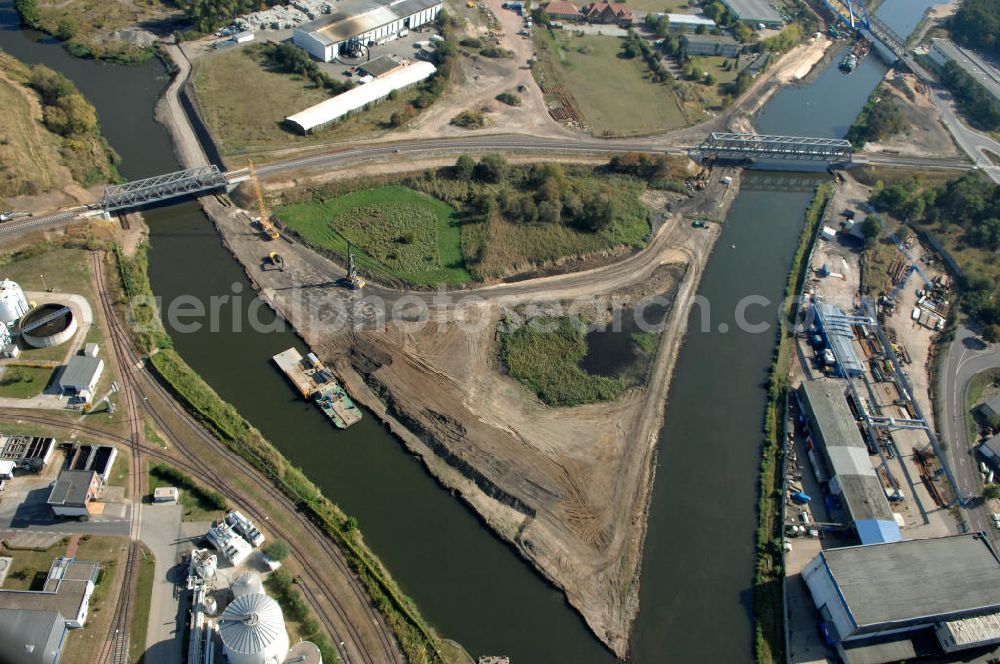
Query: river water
[(698, 563)]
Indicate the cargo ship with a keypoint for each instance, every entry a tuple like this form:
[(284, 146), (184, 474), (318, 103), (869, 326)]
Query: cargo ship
[(315, 381), (857, 53)]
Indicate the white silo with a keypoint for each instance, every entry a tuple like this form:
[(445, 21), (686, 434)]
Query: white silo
[(13, 302), (247, 583), (253, 631)]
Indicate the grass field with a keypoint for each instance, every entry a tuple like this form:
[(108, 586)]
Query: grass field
[(191, 497), (416, 237), (243, 120), (23, 382), (613, 95), (544, 355)]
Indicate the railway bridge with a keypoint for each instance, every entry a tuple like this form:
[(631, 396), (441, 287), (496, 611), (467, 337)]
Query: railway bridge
[(758, 147), (162, 187)]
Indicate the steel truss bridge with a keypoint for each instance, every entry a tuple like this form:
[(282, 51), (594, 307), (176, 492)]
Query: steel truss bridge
[(854, 14), (162, 188), (760, 146)]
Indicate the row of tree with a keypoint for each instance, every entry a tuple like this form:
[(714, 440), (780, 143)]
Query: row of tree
[(973, 99), (636, 46)]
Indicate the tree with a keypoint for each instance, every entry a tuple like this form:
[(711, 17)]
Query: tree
[(872, 229), (276, 550), (491, 168), (351, 524), (991, 333), (66, 29), (464, 167), (991, 492)]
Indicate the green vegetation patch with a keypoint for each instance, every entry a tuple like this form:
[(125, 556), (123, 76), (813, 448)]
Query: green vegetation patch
[(199, 502), (22, 382), (281, 584), (414, 236), (143, 600), (879, 119), (544, 355), (615, 96)]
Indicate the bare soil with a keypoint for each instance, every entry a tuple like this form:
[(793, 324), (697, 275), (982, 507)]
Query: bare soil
[(926, 135), (567, 487)]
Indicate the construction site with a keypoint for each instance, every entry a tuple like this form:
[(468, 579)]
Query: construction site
[(864, 461)]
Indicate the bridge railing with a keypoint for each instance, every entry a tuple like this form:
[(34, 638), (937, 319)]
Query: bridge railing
[(162, 187)]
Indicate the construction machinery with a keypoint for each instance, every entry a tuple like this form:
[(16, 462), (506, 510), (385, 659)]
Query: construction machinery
[(275, 259), (265, 218), (354, 280)]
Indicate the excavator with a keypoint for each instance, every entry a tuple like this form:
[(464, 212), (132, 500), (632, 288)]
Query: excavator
[(265, 218)]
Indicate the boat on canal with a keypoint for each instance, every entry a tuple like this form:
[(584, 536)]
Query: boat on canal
[(314, 381)]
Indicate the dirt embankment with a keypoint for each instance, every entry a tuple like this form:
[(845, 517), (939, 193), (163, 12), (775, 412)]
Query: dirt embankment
[(567, 487)]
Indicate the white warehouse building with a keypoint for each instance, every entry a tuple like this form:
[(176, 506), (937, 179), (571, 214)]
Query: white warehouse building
[(366, 21)]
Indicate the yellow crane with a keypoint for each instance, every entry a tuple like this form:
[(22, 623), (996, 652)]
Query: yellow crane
[(265, 219)]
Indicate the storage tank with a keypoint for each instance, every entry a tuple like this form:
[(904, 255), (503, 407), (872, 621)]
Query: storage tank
[(13, 302), (247, 583), (305, 652), (48, 325), (253, 631)]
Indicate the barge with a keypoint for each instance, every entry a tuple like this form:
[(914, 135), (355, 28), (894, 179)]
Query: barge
[(315, 381)]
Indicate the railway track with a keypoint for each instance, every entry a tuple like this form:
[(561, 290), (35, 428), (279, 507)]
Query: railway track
[(136, 380), (115, 649)]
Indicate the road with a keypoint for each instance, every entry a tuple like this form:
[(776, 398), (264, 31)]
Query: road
[(967, 356)]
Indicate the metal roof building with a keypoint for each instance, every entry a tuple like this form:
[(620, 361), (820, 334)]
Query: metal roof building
[(840, 337), (832, 426), (81, 375), (367, 21), (31, 637), (947, 584), (337, 107), (754, 11)]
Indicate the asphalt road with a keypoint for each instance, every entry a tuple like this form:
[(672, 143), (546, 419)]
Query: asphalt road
[(967, 356)]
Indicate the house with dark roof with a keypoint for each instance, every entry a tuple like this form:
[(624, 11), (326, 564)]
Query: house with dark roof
[(562, 11), (609, 13), (73, 492)]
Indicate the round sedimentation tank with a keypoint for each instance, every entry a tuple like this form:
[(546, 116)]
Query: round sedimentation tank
[(48, 325), (253, 631), (247, 583), (13, 301)]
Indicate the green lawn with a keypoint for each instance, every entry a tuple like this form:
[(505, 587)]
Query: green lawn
[(196, 507), (143, 597), (613, 95), (403, 232), (544, 355), (23, 382)]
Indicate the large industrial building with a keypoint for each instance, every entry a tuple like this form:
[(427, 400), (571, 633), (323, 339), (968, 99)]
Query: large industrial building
[(33, 623), (362, 22), (756, 12), (896, 601), (836, 328), (833, 429)]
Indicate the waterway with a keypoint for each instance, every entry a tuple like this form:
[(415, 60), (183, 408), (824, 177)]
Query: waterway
[(697, 570)]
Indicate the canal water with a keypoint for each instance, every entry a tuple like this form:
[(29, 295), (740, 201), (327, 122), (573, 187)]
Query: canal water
[(697, 569)]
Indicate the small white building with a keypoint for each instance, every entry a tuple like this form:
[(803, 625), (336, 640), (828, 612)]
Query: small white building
[(225, 540), (165, 494), (242, 37), (7, 469)]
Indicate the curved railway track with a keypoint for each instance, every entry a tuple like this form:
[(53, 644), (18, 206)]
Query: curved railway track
[(137, 380)]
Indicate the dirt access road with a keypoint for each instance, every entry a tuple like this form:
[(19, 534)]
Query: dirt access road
[(568, 487)]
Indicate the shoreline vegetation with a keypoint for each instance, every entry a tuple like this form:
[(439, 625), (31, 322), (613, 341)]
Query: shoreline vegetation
[(49, 128), (768, 588), (417, 639)]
